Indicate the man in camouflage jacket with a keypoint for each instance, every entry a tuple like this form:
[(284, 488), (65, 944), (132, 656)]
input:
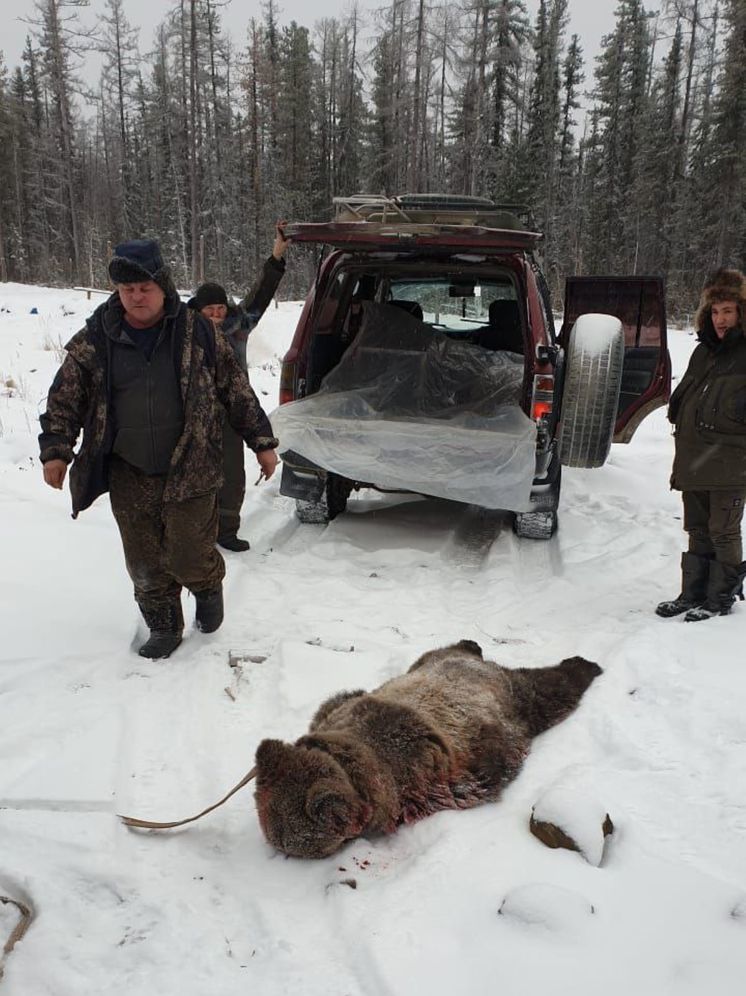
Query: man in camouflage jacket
[(236, 322), (708, 411), (147, 380)]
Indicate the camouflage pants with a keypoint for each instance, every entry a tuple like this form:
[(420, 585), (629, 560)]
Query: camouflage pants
[(233, 490), (713, 521), (167, 545)]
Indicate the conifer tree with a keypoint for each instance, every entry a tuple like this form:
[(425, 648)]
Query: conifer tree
[(119, 76), (58, 30), (621, 96)]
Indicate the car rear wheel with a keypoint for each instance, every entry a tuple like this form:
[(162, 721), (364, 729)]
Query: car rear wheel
[(541, 522), (331, 504), (535, 525), (593, 377), (312, 512)]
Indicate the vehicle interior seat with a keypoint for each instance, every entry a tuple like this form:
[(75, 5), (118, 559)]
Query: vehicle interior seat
[(504, 330), (640, 364), (411, 307)]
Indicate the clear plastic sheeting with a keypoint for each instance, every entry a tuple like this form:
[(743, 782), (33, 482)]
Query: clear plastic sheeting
[(410, 408)]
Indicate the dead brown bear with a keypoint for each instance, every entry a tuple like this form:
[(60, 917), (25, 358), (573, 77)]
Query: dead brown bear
[(448, 734)]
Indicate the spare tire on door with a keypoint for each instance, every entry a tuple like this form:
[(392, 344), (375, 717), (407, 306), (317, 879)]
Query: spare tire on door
[(593, 377)]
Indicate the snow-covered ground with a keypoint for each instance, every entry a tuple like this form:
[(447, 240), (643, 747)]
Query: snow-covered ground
[(466, 902)]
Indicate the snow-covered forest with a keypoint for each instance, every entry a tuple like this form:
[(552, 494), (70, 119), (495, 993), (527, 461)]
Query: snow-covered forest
[(203, 140)]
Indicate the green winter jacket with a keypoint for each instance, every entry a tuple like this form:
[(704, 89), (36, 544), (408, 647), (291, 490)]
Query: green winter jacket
[(210, 382), (708, 410)]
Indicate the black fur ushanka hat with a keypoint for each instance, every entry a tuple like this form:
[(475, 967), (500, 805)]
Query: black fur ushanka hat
[(722, 285)]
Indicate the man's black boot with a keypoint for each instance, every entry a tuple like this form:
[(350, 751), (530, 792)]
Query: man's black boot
[(209, 614), (159, 645), (166, 624), (695, 573), (231, 541), (725, 584)]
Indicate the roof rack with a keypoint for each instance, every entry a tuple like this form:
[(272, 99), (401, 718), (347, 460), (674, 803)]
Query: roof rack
[(449, 209)]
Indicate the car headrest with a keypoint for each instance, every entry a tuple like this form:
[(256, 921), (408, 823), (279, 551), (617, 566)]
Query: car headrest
[(505, 326), (505, 313), (411, 307)]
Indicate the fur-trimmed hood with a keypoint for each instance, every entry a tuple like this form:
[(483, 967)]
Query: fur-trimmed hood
[(723, 285)]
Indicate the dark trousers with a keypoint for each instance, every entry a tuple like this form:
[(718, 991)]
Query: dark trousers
[(167, 545), (233, 490), (713, 521)]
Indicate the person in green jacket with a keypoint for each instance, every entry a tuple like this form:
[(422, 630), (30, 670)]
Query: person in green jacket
[(708, 411), (236, 322)]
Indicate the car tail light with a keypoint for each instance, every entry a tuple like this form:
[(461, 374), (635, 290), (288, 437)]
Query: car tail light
[(287, 383), (542, 398)]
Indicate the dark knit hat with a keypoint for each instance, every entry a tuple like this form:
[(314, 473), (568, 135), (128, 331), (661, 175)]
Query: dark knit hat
[(208, 294), (139, 260), (722, 285)]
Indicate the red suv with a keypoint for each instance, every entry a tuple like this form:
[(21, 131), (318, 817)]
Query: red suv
[(426, 360)]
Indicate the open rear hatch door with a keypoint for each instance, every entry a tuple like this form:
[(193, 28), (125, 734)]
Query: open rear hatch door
[(639, 303)]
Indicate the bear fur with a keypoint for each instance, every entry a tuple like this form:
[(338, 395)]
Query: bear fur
[(448, 734)]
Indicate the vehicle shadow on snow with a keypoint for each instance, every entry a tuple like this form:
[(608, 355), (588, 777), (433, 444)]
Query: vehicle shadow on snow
[(462, 534), (477, 531)]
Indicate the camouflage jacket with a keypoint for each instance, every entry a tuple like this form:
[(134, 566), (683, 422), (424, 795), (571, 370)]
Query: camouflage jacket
[(210, 380)]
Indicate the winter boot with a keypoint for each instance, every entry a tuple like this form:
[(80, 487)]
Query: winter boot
[(209, 614), (725, 584), (695, 571), (166, 624), (231, 541)]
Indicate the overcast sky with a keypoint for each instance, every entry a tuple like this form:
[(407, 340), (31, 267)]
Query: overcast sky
[(590, 19)]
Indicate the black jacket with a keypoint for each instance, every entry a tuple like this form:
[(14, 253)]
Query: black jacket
[(243, 317), (708, 410)]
